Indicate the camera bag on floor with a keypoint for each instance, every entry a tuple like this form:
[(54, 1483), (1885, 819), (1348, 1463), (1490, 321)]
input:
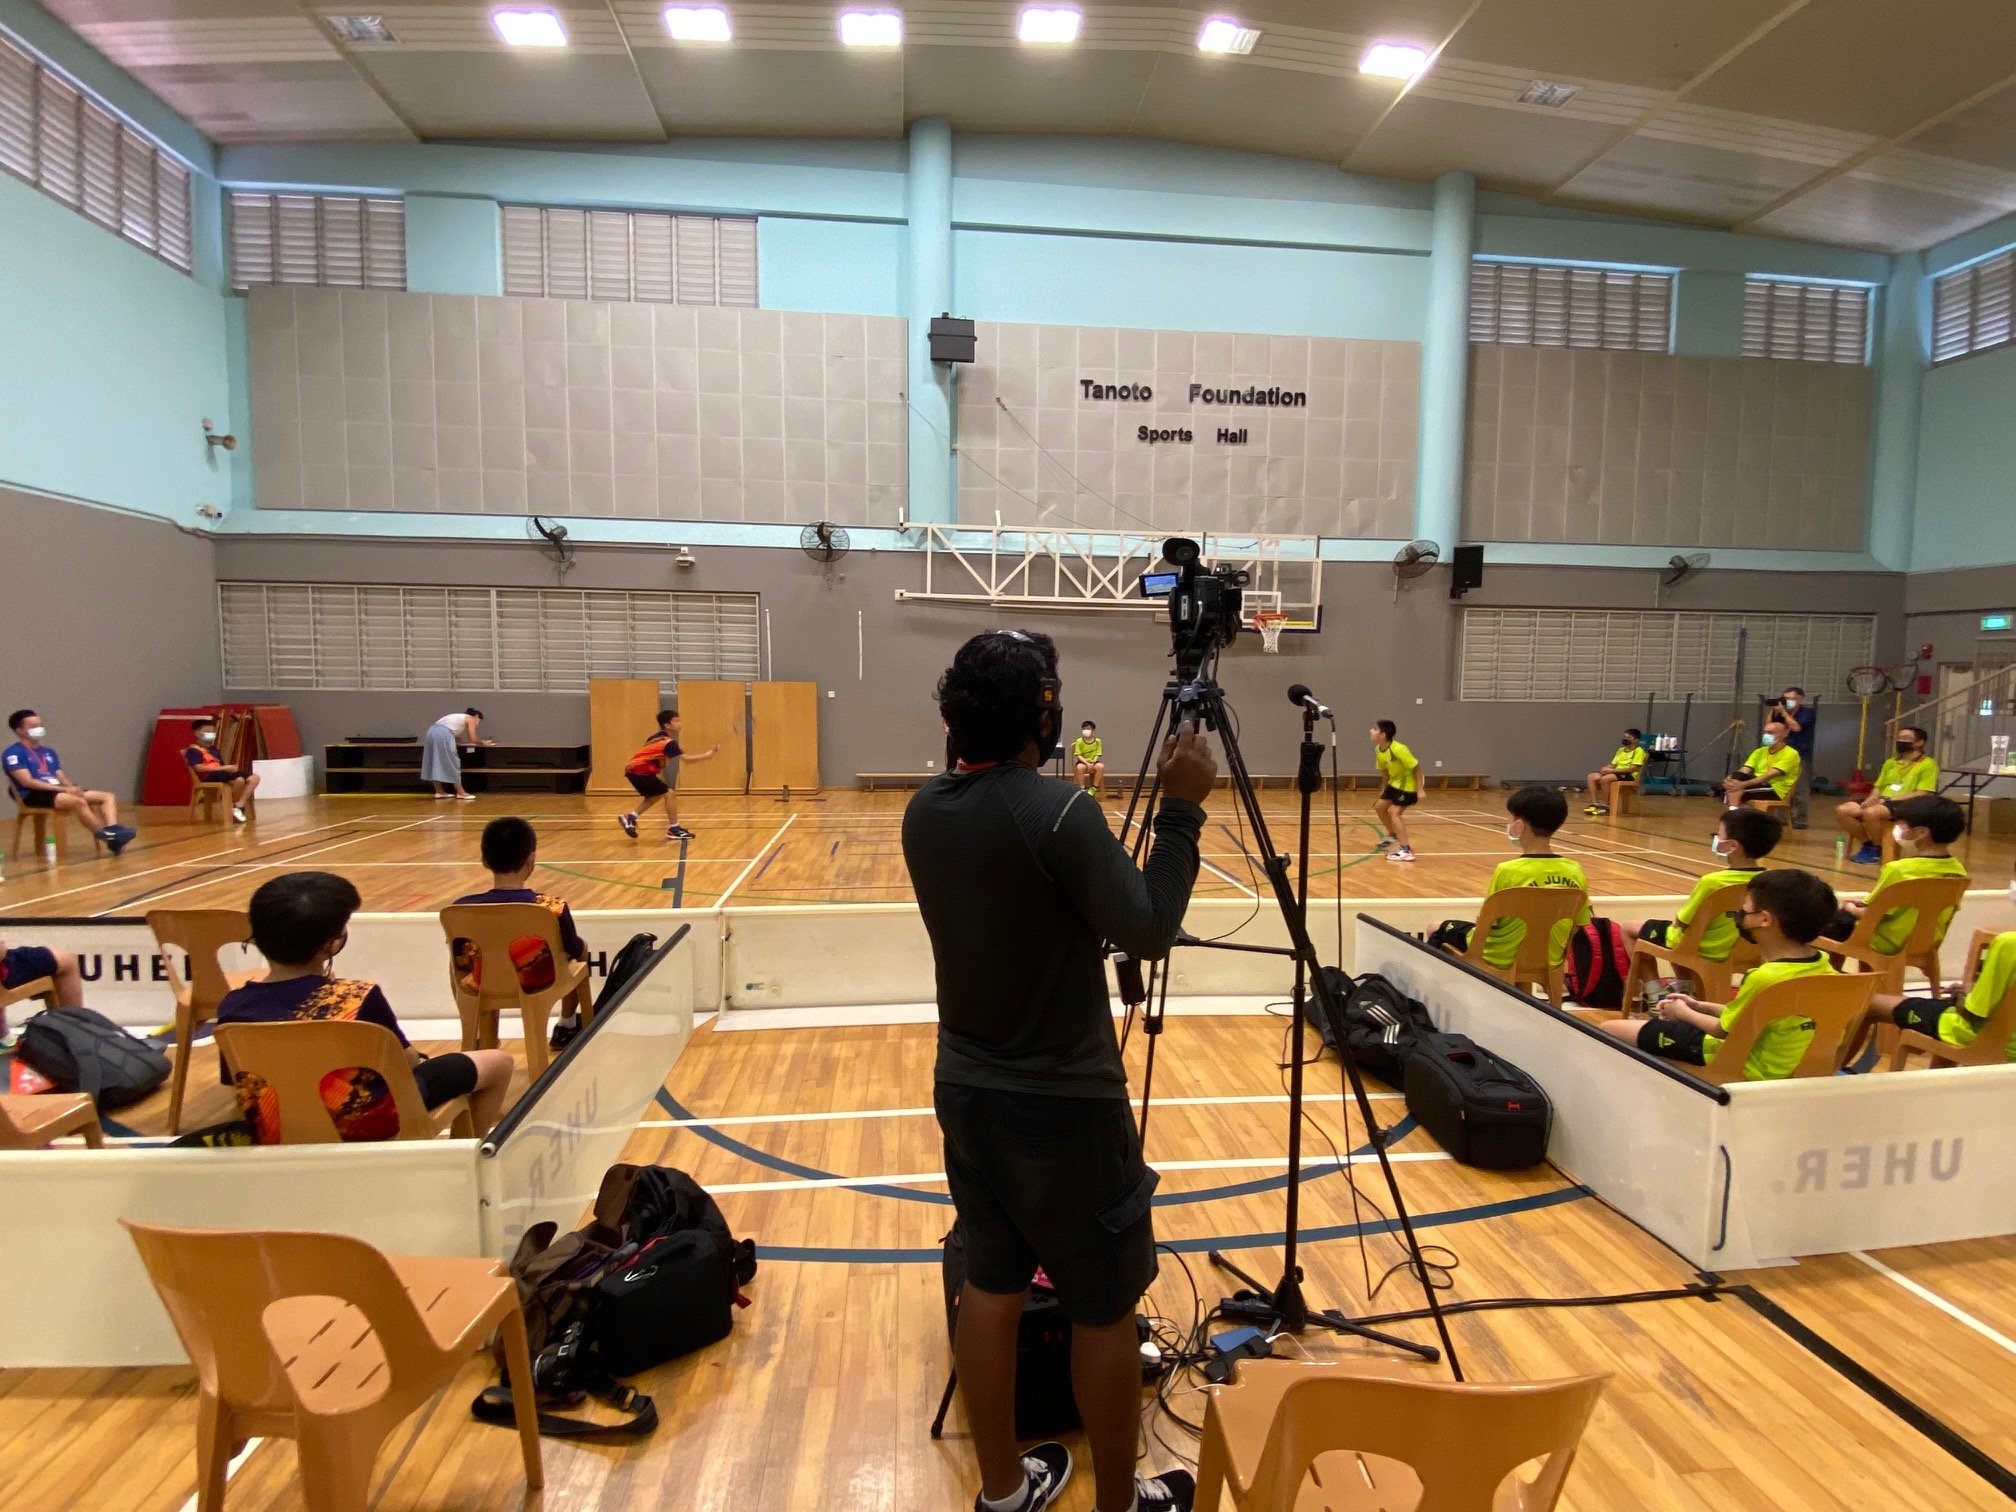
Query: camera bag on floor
[(77, 1050), (1381, 1025), (1597, 965), (1312, 1006), (1044, 1406), (1483, 1110), (625, 964)]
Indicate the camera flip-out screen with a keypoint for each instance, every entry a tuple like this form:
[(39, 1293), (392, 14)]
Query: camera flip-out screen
[(1159, 584)]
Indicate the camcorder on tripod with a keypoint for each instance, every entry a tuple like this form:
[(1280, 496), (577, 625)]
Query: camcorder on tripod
[(1206, 608)]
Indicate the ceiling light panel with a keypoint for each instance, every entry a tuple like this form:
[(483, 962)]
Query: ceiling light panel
[(1393, 60), (876, 28), (697, 23), (529, 28), (1049, 24), (1222, 34)]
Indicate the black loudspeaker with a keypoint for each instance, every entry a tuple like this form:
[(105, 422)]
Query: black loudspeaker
[(952, 340), (1468, 573)]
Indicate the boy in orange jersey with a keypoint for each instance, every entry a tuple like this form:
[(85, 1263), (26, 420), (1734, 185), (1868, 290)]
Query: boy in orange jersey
[(201, 756), (654, 772)]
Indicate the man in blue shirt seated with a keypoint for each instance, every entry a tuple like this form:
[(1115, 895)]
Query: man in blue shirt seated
[(1800, 718), (35, 773)]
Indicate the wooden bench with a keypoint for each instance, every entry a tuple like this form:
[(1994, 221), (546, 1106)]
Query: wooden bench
[(1355, 782), (873, 780)]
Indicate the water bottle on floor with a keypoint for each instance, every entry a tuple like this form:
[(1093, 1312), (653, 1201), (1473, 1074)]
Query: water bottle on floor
[(1840, 849), (49, 850)]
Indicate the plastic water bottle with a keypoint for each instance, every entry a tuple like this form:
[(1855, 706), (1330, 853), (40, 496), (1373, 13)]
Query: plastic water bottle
[(1840, 849), (49, 850)]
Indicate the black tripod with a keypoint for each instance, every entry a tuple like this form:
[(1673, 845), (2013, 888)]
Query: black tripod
[(1194, 697)]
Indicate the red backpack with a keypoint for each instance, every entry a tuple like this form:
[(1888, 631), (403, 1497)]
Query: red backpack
[(1597, 965)]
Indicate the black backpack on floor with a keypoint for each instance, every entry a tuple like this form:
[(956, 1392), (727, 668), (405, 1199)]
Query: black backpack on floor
[(1483, 1110), (1381, 1025), (625, 964), (77, 1050), (1044, 1405), (1597, 965)]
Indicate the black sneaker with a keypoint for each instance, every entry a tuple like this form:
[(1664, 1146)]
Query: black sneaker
[(628, 824), (680, 832), (1172, 1488), (564, 1033), (1048, 1467)]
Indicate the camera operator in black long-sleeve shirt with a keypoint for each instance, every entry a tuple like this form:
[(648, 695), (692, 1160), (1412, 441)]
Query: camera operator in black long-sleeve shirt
[(1019, 880)]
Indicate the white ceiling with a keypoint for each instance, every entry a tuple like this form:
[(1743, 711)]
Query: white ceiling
[(1876, 123)]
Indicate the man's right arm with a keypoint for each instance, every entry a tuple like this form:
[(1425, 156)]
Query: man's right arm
[(1140, 911)]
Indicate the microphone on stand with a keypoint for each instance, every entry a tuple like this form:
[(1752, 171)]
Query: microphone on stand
[(1300, 696)]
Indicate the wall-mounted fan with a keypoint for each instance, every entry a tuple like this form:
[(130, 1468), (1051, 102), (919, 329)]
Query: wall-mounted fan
[(1411, 561), (553, 542), (1679, 567), (824, 542)]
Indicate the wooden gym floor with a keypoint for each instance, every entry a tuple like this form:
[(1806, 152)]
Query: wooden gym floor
[(818, 1144)]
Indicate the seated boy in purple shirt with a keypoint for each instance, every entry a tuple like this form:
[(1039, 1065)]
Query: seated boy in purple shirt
[(511, 852)]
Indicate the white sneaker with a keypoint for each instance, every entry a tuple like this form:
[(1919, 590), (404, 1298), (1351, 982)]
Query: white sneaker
[(238, 813), (1404, 853)]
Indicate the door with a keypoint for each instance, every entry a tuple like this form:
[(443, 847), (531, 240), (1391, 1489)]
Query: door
[(715, 714)]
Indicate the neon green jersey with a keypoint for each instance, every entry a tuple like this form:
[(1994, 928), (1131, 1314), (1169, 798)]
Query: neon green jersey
[(1777, 765), (1780, 1043), (1899, 922), (1629, 760), (1721, 936), (1899, 777), (1501, 949), (1998, 969), (1088, 751), (1398, 767)]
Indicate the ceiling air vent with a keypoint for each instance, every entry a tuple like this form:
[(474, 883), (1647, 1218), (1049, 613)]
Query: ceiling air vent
[(1548, 95), (360, 28)]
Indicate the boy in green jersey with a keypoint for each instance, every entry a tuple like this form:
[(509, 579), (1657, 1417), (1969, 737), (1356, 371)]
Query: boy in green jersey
[(1400, 777), (1743, 838), (1909, 771), (1769, 772), (1536, 812), (1782, 915), (1626, 764), (1923, 825), (1956, 1023), (1088, 759)]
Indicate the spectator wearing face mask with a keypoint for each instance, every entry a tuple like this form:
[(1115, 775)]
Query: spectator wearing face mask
[(1924, 826), (36, 775), (201, 756), (1741, 842), (1771, 771), (1088, 760), (1800, 717), (1908, 772)]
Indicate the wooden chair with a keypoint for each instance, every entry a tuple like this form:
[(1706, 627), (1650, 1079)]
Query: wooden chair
[(40, 820), (1934, 899), (1768, 805), (40, 987), (293, 1059), (1289, 1437), (490, 928), (199, 933), (206, 801), (1836, 1005), (1990, 1046), (28, 1123), (1713, 979), (1541, 909), (271, 1321), (1624, 798)]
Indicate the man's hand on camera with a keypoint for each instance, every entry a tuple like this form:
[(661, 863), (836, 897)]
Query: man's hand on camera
[(1187, 768)]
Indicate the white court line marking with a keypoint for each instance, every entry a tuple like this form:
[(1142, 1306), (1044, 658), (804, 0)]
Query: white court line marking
[(1204, 862), (915, 1178), (229, 1470), (1926, 1294), (289, 861), (854, 1113), (769, 847)]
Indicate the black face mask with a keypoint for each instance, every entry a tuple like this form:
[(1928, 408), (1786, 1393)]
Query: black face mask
[(1905, 748), (1749, 935)]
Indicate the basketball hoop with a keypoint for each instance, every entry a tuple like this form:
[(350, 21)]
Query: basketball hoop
[(1270, 627)]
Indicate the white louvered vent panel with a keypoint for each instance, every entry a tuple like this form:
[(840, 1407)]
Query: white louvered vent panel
[(100, 172), (137, 222), (385, 244), (697, 259), (1974, 308), (609, 255), (17, 111), (645, 256), (1537, 304), (1805, 322), (57, 138), (333, 240), (472, 638), (653, 276), (736, 240), (566, 254), (172, 180), (524, 251)]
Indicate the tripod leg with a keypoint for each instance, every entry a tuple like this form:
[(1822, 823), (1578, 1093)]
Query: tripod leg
[(945, 1403)]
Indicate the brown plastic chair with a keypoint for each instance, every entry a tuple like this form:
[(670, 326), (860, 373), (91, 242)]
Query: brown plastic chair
[(490, 928), (322, 1339), (292, 1059), (1934, 898), (199, 933), (30, 1122), (1990, 1046), (1713, 980), (38, 821), (1289, 1437), (1836, 1004), (40, 987), (1541, 908), (1768, 805)]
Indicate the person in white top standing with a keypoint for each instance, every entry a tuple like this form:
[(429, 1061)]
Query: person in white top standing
[(441, 754)]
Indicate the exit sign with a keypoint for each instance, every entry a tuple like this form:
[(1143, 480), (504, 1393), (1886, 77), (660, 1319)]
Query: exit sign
[(1997, 621)]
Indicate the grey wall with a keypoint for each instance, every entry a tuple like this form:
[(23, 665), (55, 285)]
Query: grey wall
[(1642, 448), (1374, 659), (108, 618)]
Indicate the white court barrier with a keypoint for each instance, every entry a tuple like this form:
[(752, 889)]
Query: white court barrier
[(545, 1158), (1754, 1173), (404, 953)]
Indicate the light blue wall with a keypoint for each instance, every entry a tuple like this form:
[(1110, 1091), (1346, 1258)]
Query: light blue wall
[(1966, 515), (1708, 313), (454, 245), (833, 267)]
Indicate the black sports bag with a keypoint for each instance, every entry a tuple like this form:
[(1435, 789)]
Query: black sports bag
[(81, 1051), (1483, 1110), (1381, 1025)]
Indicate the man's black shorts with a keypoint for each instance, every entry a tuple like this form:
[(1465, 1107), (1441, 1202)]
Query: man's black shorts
[(1921, 1014), (1657, 932), (1761, 790), (442, 1078), (648, 786), (1052, 1181), (26, 963), (34, 798), (1678, 1042), (1399, 799), (220, 774)]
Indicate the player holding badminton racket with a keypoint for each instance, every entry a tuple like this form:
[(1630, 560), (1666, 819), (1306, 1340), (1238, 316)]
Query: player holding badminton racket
[(654, 772)]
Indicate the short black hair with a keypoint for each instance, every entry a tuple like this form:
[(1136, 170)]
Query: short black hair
[(666, 716), (197, 724), (1386, 727), (990, 696), (296, 915), (1753, 829), (1945, 818), (1795, 688), (1634, 732), (1089, 724), (1919, 730), (509, 843), (1543, 808), (473, 713), (1802, 904), (18, 718)]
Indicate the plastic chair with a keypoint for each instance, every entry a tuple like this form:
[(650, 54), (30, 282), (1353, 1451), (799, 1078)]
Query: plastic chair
[(271, 1321), (1768, 805), (1714, 979), (1934, 898), (206, 801), (1836, 1004), (199, 933), (1541, 909), (28, 1123), (1624, 797), (293, 1058), (38, 987), (40, 820), (1287, 1437), (490, 928), (1990, 1046)]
